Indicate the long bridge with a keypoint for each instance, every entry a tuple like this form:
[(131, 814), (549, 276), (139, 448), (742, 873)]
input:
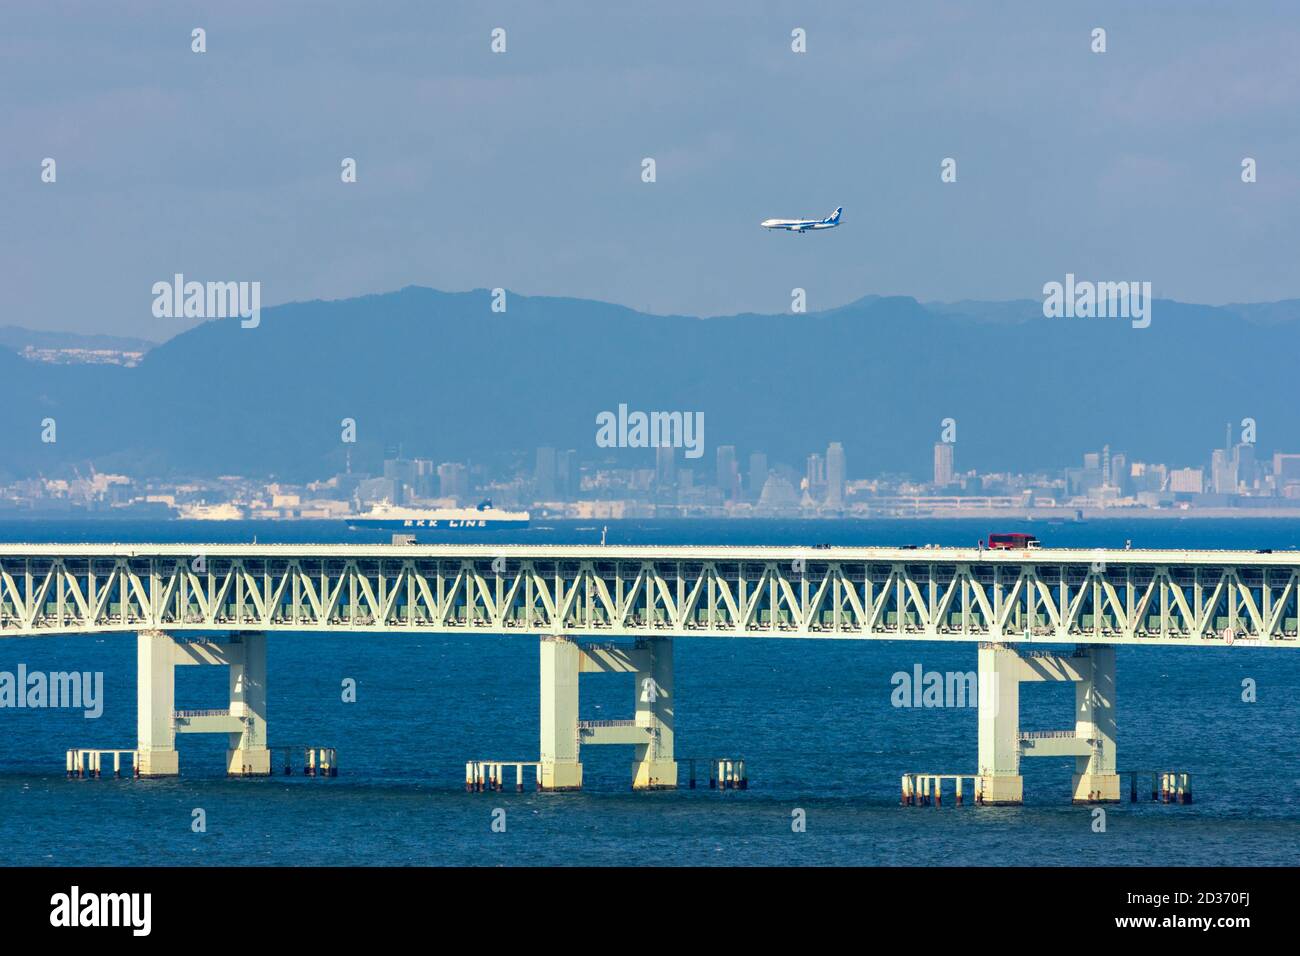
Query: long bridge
[(1076, 596), (215, 604)]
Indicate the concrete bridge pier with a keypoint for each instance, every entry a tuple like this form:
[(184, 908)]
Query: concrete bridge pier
[(999, 779), (649, 733), (1091, 741), (158, 721), (156, 704), (247, 753), (1095, 777), (560, 767), (653, 766)]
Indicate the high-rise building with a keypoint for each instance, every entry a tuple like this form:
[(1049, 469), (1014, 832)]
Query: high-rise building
[(943, 463), (426, 476), (835, 475), (1148, 478), (544, 474), (757, 474), (815, 476), (1223, 472), (1120, 479), (401, 472), (1286, 467), (728, 473), (453, 480), (666, 466), (1187, 480), (1247, 466), (566, 474)]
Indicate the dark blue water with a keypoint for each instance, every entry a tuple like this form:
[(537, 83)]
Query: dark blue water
[(813, 720)]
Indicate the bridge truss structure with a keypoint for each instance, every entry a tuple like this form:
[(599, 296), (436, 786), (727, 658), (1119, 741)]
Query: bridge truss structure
[(1203, 598)]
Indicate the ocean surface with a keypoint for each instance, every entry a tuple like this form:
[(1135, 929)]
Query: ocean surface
[(813, 720)]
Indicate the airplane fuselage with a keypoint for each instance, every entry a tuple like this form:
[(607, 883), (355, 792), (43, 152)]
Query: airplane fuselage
[(804, 225)]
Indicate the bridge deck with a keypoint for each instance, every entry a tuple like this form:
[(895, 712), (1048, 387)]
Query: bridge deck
[(1187, 597), (1283, 558)]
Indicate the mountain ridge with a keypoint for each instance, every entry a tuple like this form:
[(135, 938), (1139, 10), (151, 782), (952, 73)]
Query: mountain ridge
[(445, 377)]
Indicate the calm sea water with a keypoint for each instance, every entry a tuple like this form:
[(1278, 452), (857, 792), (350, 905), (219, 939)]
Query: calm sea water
[(812, 719)]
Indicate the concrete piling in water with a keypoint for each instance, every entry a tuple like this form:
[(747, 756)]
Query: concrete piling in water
[(90, 763), (728, 774), (489, 776), (926, 789), (1167, 786)]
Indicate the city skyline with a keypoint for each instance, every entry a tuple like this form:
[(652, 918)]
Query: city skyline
[(559, 480)]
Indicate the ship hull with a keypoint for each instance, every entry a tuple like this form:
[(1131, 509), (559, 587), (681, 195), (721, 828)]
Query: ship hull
[(435, 524)]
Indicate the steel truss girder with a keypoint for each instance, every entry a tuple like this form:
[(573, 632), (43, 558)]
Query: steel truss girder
[(712, 595)]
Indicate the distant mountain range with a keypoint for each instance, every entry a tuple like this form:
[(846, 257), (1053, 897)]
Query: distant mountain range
[(445, 377)]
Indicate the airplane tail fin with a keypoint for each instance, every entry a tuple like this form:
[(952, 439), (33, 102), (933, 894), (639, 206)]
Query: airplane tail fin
[(835, 216)]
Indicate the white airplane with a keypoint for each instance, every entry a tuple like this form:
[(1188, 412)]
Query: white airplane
[(803, 225)]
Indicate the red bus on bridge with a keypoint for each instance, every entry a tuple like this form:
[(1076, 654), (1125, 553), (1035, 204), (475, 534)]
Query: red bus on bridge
[(1014, 541)]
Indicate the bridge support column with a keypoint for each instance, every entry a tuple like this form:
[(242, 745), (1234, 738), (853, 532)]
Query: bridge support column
[(157, 721), (560, 769), (999, 781), (1095, 779), (155, 704), (247, 753), (653, 766)]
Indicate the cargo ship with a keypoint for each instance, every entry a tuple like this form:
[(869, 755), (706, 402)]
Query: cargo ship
[(388, 517)]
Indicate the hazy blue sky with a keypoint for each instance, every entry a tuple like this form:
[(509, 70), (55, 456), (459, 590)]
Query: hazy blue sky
[(523, 169)]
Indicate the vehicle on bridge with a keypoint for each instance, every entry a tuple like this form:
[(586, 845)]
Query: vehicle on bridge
[(1014, 541)]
